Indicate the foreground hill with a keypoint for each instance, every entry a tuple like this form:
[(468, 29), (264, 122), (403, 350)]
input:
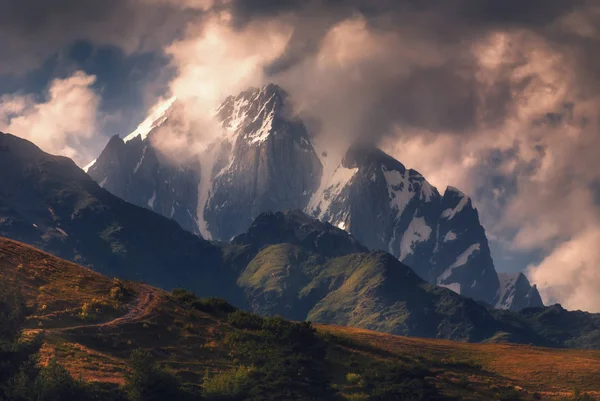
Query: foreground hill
[(92, 324)]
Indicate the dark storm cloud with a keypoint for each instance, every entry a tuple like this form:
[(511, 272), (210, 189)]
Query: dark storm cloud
[(451, 15), (32, 30), (446, 97)]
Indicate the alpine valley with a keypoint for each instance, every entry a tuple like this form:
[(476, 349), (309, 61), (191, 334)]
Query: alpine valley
[(266, 160), (286, 263)]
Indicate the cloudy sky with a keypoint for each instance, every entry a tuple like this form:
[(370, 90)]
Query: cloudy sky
[(500, 98)]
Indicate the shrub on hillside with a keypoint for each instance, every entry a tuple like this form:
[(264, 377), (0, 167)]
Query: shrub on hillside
[(397, 382), (353, 378), (245, 320), (55, 383), (215, 306), (229, 385), (150, 382)]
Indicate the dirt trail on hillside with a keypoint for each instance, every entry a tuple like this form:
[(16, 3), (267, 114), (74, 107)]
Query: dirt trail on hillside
[(139, 308)]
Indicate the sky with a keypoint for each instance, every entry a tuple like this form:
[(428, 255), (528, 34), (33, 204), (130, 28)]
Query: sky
[(500, 98)]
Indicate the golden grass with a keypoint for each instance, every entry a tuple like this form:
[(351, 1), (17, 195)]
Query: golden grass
[(553, 372), (191, 342), (95, 348)]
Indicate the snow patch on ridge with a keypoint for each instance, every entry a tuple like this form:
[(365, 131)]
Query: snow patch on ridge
[(152, 200), (262, 134), (334, 178), (399, 189), (207, 162), (462, 259), (155, 119), (137, 166), (89, 166), (507, 289), (450, 213), (325, 195), (452, 286), (427, 191), (450, 236), (238, 118), (417, 231)]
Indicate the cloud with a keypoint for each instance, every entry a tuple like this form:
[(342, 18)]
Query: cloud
[(32, 30), (570, 274), (212, 61), (499, 98), (64, 123)]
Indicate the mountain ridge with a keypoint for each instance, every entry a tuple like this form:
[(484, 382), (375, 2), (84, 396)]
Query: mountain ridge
[(266, 161), (290, 263)]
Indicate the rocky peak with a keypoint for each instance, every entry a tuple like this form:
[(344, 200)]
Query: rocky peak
[(272, 164), (253, 113), (516, 292)]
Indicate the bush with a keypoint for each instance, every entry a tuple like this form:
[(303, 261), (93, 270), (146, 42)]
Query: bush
[(55, 383), (184, 296), (353, 378), (120, 290), (215, 306), (12, 312), (397, 382), (357, 397), (230, 385), (148, 381), (463, 381), (86, 312), (509, 394), (288, 358), (245, 320)]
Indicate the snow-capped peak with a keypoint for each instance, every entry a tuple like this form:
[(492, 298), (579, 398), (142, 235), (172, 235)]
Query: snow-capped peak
[(251, 113), (156, 117)]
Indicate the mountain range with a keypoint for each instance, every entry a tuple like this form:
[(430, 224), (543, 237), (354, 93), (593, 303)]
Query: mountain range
[(267, 160), (285, 263)]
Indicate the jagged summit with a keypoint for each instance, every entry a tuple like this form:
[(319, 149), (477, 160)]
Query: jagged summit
[(158, 116), (254, 114), (516, 290)]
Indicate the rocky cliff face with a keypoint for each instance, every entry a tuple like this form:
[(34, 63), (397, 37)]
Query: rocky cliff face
[(272, 165), (136, 171), (266, 161), (517, 293), (389, 207)]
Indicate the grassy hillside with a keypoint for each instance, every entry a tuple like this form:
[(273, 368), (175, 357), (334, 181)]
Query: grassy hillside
[(377, 292), (92, 325)]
